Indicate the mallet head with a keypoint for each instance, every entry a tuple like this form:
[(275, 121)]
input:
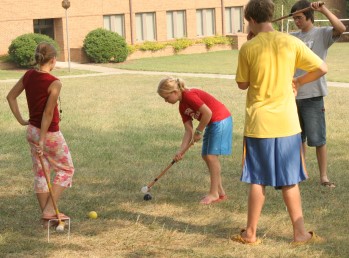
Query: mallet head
[(144, 189), (60, 227)]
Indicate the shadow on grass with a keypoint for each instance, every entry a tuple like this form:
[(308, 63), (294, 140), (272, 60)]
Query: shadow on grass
[(112, 167)]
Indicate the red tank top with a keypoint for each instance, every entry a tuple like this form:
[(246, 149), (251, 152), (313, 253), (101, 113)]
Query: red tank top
[(36, 86)]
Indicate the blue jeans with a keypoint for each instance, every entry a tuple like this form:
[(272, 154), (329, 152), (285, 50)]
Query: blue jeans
[(311, 114)]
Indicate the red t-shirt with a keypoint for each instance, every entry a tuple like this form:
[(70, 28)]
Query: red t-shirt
[(36, 86), (193, 99)]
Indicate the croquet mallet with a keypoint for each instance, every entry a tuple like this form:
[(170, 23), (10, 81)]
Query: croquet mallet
[(61, 223), (146, 188), (296, 12)]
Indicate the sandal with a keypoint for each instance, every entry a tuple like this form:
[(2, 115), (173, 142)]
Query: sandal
[(44, 223), (314, 239), (62, 216), (223, 197), (238, 238)]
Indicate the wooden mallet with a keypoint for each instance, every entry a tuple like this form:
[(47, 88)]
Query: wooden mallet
[(296, 12), (60, 227)]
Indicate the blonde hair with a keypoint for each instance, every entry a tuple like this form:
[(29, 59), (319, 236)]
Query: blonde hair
[(44, 53), (170, 84)]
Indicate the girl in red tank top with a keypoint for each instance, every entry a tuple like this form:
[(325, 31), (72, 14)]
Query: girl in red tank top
[(45, 139)]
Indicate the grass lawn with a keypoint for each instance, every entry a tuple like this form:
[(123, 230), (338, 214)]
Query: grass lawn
[(225, 62), (122, 135), (16, 74), (219, 62)]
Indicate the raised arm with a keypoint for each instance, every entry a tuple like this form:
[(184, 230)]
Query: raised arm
[(338, 26)]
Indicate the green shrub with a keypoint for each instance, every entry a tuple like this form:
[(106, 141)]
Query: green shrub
[(231, 41), (217, 40), (103, 46), (152, 46), (5, 58), (22, 49), (180, 44), (132, 48)]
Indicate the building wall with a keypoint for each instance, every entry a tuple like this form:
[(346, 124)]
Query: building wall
[(84, 16)]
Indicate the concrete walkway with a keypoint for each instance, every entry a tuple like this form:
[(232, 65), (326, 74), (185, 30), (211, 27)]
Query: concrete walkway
[(102, 71), (107, 70)]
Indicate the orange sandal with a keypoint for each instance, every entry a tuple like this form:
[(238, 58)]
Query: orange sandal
[(238, 238), (315, 239)]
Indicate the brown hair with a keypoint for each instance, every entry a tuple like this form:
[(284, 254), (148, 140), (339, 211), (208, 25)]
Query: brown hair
[(259, 10), (170, 84), (44, 52)]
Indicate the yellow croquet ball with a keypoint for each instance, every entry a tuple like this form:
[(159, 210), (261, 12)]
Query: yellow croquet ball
[(92, 215)]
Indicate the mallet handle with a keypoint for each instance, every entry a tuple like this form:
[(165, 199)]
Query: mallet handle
[(50, 189), (296, 12), (168, 167)]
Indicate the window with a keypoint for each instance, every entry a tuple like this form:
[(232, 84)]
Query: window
[(145, 27), (233, 20), (45, 27), (176, 24), (115, 23), (205, 22)]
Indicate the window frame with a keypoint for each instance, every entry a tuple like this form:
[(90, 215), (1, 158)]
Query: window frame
[(172, 32), (203, 26), (144, 25), (113, 23), (38, 27), (230, 19)]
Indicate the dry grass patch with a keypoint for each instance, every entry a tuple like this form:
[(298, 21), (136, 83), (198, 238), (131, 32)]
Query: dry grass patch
[(122, 135)]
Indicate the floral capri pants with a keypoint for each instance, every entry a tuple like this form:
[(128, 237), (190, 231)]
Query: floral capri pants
[(56, 156)]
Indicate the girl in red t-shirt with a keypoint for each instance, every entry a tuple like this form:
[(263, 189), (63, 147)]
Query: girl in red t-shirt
[(42, 92), (213, 117)]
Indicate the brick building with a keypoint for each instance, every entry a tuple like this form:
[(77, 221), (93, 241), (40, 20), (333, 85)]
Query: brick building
[(136, 20)]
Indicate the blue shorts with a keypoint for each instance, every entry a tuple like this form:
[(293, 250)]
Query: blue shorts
[(273, 161), (217, 138), (311, 114)]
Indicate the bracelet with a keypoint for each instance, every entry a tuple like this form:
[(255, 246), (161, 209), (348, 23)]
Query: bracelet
[(197, 131)]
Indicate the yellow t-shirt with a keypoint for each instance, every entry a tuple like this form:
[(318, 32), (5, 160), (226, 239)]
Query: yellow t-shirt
[(268, 63)]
